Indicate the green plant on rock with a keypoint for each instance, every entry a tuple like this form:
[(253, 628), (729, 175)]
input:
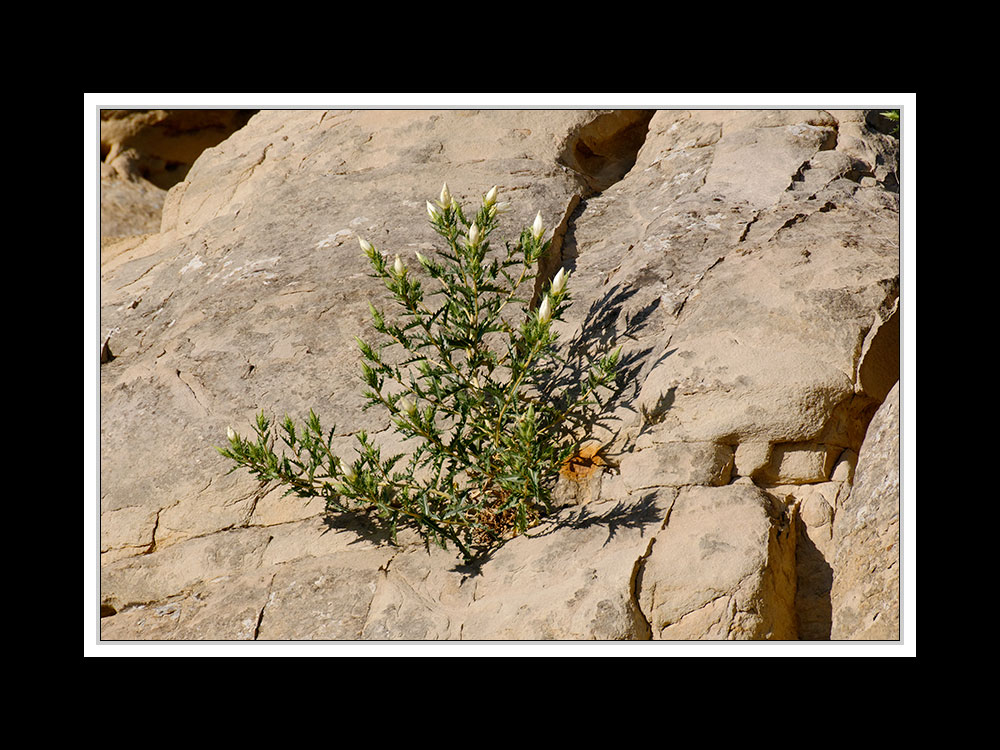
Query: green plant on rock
[(893, 116), (467, 379)]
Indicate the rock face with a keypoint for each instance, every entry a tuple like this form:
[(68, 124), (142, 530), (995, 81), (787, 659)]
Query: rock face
[(865, 595), (747, 262), (145, 152)]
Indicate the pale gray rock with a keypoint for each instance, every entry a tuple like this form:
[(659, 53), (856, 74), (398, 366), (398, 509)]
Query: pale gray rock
[(223, 608)]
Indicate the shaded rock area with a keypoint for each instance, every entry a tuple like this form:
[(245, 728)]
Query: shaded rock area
[(866, 554), (145, 152), (746, 261)]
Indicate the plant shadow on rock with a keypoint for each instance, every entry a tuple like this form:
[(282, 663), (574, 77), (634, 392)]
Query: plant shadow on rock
[(598, 333), (626, 515), (361, 523), (623, 515), (563, 381)]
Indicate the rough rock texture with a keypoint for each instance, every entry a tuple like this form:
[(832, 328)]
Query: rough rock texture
[(145, 152), (722, 568), (865, 595), (747, 261)]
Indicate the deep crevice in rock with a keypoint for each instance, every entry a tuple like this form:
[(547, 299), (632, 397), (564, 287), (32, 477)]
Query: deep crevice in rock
[(601, 152), (605, 149), (161, 145)]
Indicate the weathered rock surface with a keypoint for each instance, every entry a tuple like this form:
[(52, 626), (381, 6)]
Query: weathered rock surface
[(722, 568), (748, 263), (865, 592), (145, 152)]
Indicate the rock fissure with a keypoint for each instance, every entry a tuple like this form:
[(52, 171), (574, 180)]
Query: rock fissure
[(152, 537), (260, 614), (601, 152), (635, 584)]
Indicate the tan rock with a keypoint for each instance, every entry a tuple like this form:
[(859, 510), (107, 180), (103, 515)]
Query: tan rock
[(749, 276), (162, 144), (800, 463), (843, 468), (146, 152), (161, 575), (517, 596), (866, 569), (723, 568), (225, 608), (322, 598), (751, 457), (677, 464)]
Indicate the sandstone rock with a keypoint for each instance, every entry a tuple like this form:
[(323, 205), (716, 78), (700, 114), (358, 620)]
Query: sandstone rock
[(515, 596), (129, 206), (224, 608), (843, 468), (158, 576), (723, 568), (751, 457), (160, 145), (749, 276), (322, 598), (800, 463), (742, 316), (813, 558), (865, 591), (677, 464), (598, 551), (146, 152)]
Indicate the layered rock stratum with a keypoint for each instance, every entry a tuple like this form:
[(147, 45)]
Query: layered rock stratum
[(747, 261)]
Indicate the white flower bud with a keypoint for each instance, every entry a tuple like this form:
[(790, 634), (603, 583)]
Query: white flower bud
[(398, 267), (490, 198), (445, 199), (408, 406), (545, 311), (537, 228), (432, 211), (365, 245), (474, 235), (559, 282), (422, 259), (230, 433)]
